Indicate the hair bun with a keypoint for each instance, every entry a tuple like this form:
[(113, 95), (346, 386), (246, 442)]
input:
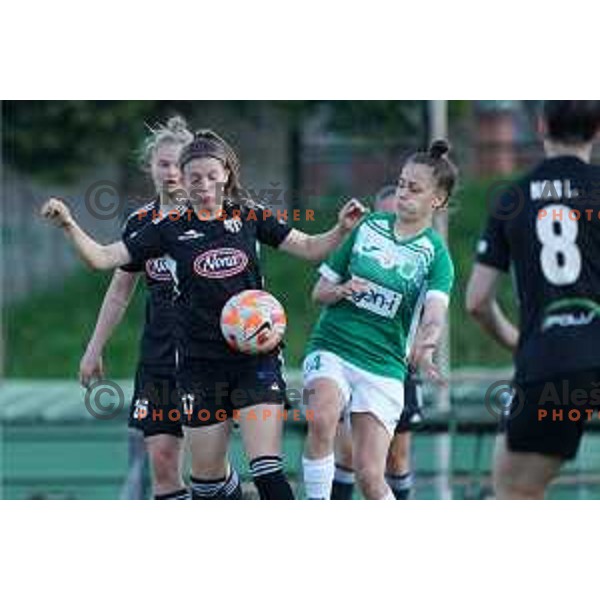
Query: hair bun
[(176, 124), (439, 148)]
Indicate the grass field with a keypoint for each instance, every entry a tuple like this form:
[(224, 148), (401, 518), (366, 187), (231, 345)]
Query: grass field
[(46, 334)]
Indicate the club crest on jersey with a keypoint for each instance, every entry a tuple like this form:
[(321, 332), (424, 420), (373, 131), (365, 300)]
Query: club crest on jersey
[(232, 225), (158, 269), (220, 263)]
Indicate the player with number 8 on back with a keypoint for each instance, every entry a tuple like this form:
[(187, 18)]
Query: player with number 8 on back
[(553, 250)]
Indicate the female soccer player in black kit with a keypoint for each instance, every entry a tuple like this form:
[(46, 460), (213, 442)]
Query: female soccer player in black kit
[(156, 368), (548, 232), (155, 391), (213, 241)]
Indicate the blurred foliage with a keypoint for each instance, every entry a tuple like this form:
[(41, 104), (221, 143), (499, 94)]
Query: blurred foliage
[(372, 118), (56, 140), (381, 118)]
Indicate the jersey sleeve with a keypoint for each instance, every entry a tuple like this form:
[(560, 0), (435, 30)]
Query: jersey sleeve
[(269, 230), (143, 242), (132, 224), (335, 268), (492, 248), (441, 274)]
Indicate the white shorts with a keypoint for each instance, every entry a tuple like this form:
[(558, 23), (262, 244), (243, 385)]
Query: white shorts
[(361, 390)]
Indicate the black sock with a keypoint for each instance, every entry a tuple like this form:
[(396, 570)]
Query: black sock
[(401, 485), (182, 494), (343, 484), (269, 478), (206, 489), (232, 489)]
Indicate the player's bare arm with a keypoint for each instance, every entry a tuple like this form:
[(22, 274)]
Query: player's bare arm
[(483, 306), (114, 305), (318, 247), (327, 292), (428, 337), (95, 255)]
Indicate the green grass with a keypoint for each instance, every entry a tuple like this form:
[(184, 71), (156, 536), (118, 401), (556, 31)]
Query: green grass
[(47, 333)]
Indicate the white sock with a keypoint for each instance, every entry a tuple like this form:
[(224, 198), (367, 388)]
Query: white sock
[(388, 496), (318, 477)]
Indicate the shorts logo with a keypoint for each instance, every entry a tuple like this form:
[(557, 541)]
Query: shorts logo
[(158, 269), (140, 410), (220, 263), (187, 403)]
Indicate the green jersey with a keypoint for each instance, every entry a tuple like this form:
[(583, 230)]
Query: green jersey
[(374, 328)]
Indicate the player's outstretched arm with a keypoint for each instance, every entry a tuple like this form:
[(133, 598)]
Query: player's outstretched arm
[(115, 303), (482, 305), (93, 254), (318, 247)]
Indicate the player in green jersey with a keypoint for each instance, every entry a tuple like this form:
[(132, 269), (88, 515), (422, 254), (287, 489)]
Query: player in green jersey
[(398, 473), (391, 271)]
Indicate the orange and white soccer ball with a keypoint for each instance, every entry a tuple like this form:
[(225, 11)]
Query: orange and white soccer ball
[(253, 322)]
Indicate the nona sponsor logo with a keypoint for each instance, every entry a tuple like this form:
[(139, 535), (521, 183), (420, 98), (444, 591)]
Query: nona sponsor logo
[(159, 269), (220, 263)]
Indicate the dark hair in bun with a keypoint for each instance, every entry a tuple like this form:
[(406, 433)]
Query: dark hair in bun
[(439, 148), (445, 172)]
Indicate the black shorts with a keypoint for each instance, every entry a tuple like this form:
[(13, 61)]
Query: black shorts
[(156, 405), (213, 392), (549, 417), (413, 404)]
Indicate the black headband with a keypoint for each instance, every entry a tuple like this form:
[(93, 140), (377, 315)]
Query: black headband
[(202, 148)]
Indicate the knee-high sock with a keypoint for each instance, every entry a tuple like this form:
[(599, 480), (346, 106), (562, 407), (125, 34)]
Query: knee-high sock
[(318, 477), (269, 478), (343, 484), (401, 485), (182, 494)]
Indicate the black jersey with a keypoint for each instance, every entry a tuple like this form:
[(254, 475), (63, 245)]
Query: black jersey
[(215, 259), (158, 341), (547, 229)]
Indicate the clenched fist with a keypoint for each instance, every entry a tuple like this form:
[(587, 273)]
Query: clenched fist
[(57, 212), (350, 214)]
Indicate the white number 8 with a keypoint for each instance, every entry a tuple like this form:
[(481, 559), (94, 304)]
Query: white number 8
[(558, 241)]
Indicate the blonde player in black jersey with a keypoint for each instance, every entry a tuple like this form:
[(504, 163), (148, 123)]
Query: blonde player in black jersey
[(155, 392)]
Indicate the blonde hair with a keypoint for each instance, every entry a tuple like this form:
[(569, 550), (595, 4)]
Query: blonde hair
[(174, 131)]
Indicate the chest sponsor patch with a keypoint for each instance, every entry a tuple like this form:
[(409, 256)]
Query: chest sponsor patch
[(220, 263), (379, 300), (158, 269)]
